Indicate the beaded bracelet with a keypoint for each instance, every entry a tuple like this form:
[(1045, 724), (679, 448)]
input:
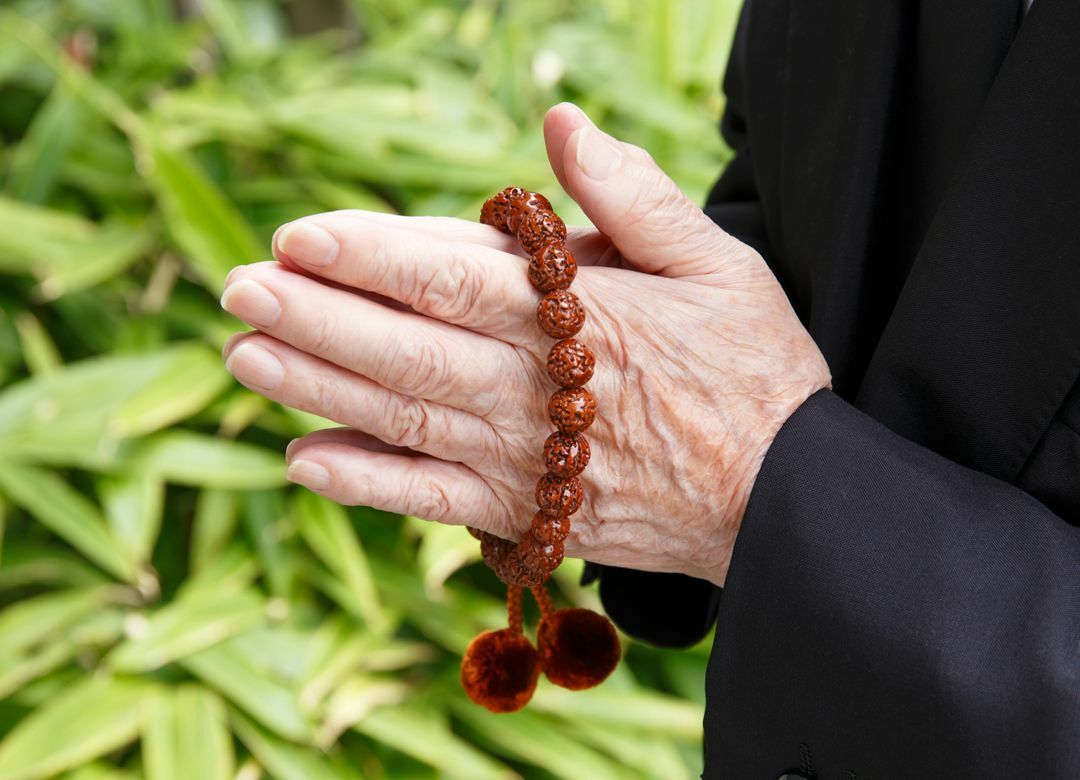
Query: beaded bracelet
[(577, 647)]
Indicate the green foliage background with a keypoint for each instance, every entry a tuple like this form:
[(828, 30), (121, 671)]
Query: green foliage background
[(169, 609)]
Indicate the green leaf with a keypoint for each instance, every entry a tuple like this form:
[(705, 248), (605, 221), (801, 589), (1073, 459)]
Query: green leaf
[(212, 233), (614, 707), (32, 621), (443, 550), (192, 379), (38, 349), (238, 677), (186, 736), (216, 513), (94, 717), (194, 621), (198, 460), (66, 417), (286, 761), (326, 528), (68, 514), (533, 738), (37, 160), (133, 506), (425, 735)]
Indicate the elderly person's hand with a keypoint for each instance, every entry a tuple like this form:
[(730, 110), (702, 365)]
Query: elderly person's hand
[(420, 334)]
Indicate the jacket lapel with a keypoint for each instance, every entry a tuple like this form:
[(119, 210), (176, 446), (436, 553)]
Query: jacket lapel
[(984, 342)]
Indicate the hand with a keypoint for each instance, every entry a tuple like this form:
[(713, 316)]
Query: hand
[(420, 335)]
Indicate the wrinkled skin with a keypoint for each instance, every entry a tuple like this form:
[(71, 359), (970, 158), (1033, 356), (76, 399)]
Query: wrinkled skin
[(419, 334)]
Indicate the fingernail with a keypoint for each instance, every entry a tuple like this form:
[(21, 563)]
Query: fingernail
[(255, 367), (230, 343), (231, 275), (575, 108), (291, 446), (309, 474), (308, 244), (597, 155), (251, 302)]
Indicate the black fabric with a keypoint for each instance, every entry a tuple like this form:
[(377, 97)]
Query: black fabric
[(904, 598)]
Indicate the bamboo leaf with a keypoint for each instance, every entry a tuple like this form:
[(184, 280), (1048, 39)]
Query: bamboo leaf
[(68, 514), (95, 717), (133, 506), (424, 735), (30, 622), (193, 377), (288, 761), (535, 739), (206, 226), (191, 623), (198, 460), (38, 348), (186, 736), (326, 528), (272, 703), (216, 513)]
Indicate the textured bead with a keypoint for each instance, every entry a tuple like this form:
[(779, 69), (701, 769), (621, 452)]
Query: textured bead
[(570, 363), (548, 529), (538, 228), (512, 569), (572, 410), (566, 454), (525, 204), (537, 556), (494, 548), (552, 268), (497, 209), (560, 313), (558, 496)]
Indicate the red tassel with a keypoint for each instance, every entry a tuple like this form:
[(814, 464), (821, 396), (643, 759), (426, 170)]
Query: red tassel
[(500, 668), (578, 647)]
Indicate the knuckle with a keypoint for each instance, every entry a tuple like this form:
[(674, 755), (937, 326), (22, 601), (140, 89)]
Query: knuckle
[(327, 397), (416, 366), (322, 336), (430, 498), (453, 291), (407, 423)]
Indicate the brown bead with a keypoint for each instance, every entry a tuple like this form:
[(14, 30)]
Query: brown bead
[(548, 529), (538, 228), (556, 495), (566, 454), (572, 410), (552, 268), (523, 205), (497, 209), (570, 363), (560, 313), (493, 549), (537, 556), (513, 570)]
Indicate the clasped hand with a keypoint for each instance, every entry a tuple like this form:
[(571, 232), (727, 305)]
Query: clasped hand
[(420, 335)]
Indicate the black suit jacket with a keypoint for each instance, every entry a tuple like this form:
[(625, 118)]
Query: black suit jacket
[(904, 596)]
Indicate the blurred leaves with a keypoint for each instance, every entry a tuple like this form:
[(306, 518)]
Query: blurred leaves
[(169, 609)]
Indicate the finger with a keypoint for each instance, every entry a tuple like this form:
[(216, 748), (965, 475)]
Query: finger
[(349, 436), (403, 351), (470, 285), (559, 122), (422, 486), (289, 376), (626, 195)]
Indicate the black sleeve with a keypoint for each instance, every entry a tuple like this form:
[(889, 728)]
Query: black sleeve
[(674, 610), (930, 613)]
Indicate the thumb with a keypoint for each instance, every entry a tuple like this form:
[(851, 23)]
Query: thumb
[(634, 203)]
